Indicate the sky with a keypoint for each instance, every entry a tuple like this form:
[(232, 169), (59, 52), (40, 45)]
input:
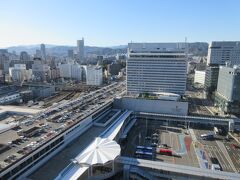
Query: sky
[(117, 22)]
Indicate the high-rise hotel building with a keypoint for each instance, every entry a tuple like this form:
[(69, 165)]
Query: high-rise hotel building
[(219, 53), (222, 52), (156, 67)]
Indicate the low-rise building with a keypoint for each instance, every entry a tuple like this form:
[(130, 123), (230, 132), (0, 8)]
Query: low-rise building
[(10, 98), (94, 75), (211, 79), (199, 77)]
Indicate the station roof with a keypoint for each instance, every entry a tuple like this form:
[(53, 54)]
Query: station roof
[(6, 127), (100, 151)]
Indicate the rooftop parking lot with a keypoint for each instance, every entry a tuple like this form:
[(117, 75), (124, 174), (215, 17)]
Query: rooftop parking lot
[(31, 132)]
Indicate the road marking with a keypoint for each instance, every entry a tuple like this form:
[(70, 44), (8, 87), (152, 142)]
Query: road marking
[(226, 155)]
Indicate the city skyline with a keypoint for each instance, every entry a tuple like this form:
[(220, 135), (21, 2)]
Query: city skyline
[(63, 22)]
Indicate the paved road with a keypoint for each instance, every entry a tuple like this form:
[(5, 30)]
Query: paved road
[(217, 153), (234, 154)]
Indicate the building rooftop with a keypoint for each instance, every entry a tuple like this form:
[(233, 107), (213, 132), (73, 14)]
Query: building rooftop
[(157, 47), (32, 132), (19, 109)]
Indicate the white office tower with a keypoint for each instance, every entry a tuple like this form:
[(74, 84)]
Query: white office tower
[(65, 70), (76, 72), (220, 52), (156, 67), (43, 52), (94, 75), (19, 73), (199, 77), (80, 50), (70, 70)]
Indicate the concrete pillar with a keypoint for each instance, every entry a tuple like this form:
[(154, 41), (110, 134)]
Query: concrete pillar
[(231, 126), (126, 169)]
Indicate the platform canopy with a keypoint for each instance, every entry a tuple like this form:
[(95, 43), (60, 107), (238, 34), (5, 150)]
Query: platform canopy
[(100, 151)]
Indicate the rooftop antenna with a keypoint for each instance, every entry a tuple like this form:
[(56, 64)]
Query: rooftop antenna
[(186, 47)]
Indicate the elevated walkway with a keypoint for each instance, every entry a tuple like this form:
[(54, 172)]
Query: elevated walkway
[(179, 169)]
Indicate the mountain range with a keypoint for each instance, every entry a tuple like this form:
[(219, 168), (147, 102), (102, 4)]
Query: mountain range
[(196, 48)]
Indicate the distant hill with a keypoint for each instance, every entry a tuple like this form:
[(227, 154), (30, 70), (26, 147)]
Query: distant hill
[(62, 50), (197, 48)]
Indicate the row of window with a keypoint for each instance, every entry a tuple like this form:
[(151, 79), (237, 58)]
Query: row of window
[(156, 56)]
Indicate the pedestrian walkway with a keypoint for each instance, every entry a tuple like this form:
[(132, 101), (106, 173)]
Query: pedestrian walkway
[(194, 138)]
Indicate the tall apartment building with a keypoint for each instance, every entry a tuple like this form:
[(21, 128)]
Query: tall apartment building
[(156, 67), (65, 70), (4, 61), (80, 50), (40, 71), (43, 52), (70, 54), (70, 70), (211, 79), (76, 72), (220, 52), (227, 97), (94, 75)]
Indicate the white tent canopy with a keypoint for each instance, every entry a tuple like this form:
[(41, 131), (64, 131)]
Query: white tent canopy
[(100, 151)]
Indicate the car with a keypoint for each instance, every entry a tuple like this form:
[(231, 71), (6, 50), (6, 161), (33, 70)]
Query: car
[(216, 167), (227, 139), (235, 146)]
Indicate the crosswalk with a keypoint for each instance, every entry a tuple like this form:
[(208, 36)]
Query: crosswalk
[(214, 152)]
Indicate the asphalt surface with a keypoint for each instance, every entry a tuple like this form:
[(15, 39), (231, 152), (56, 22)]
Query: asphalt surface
[(220, 152), (137, 137)]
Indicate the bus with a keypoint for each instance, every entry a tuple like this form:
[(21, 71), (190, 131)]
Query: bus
[(142, 154), (144, 148)]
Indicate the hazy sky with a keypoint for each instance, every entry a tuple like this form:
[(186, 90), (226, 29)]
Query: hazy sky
[(115, 22)]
